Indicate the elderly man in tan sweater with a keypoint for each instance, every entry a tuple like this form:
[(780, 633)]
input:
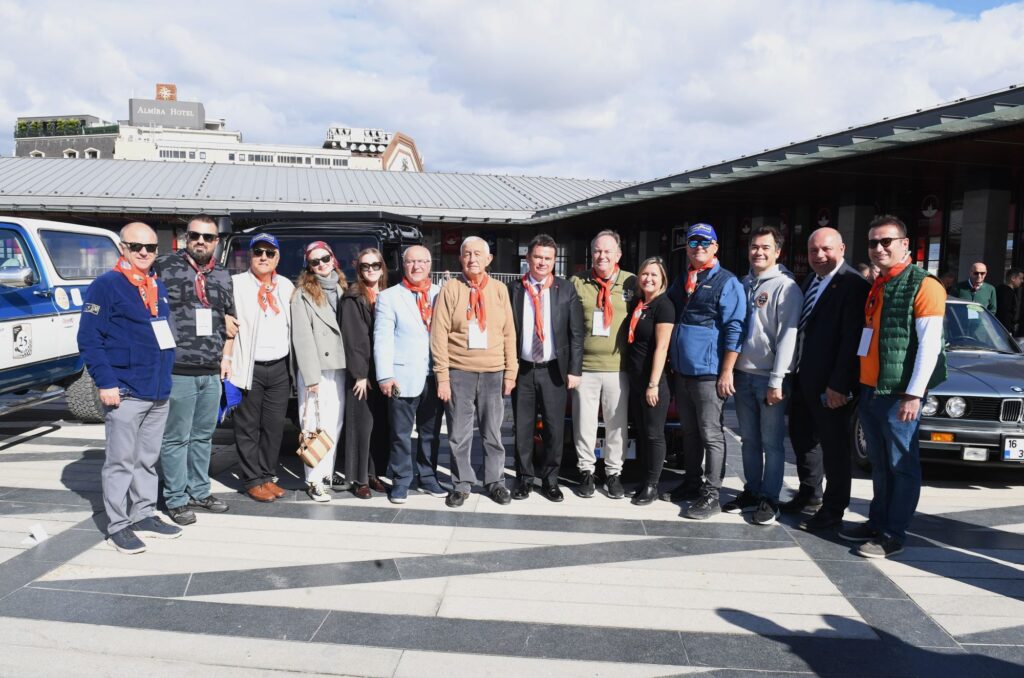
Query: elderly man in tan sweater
[(473, 342)]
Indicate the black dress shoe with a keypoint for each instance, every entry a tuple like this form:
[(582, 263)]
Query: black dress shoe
[(522, 489), (685, 492), (822, 520), (799, 502), (499, 494), (646, 494), (553, 492), (455, 499)]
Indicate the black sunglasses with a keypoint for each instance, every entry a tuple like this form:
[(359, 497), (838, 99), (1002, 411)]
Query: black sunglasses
[(140, 246), (884, 242), (258, 252), (193, 236), (694, 244), (326, 259), (375, 266), (979, 272)]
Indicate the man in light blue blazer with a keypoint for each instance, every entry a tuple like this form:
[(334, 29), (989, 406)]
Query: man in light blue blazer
[(401, 353)]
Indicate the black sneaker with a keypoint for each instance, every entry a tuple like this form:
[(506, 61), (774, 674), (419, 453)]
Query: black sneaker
[(126, 541), (455, 499), (767, 512), (614, 487), (880, 547), (210, 503), (860, 532), (587, 484), (339, 484), (499, 494), (705, 506), (685, 492), (822, 520), (182, 515), (743, 503), (152, 526), (800, 501)]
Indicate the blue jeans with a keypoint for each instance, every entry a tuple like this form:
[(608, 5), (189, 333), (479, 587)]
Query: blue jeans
[(415, 460), (895, 463), (763, 429), (188, 438)]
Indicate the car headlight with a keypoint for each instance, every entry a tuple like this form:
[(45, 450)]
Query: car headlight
[(956, 406), (930, 407)]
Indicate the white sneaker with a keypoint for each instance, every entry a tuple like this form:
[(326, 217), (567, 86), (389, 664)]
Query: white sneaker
[(316, 492)]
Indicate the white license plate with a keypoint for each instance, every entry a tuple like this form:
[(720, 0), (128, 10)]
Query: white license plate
[(1013, 449), (630, 449)]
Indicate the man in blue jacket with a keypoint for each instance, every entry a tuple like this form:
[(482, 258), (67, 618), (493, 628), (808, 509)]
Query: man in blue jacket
[(710, 312), (126, 342)]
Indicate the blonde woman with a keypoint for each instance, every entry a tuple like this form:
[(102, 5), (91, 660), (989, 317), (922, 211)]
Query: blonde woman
[(319, 355), (651, 318)]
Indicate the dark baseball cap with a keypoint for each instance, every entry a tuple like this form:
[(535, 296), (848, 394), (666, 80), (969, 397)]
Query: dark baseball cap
[(265, 238)]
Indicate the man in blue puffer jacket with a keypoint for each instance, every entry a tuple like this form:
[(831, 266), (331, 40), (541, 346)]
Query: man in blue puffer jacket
[(710, 313), (126, 342)]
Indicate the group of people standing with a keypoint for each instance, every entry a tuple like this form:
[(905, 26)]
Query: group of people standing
[(374, 363)]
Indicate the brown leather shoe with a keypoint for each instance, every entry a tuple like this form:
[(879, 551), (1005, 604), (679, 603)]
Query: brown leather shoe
[(274, 489), (377, 486), (260, 493), (362, 491)]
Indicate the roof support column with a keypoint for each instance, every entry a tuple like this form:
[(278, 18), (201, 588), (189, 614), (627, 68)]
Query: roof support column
[(852, 224), (986, 218)]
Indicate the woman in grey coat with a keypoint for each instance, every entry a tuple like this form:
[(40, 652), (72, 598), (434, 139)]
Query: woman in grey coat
[(319, 355)]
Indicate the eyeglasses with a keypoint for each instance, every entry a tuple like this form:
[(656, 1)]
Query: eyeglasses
[(417, 262), (194, 236), (981, 273), (326, 259), (137, 247), (694, 244), (258, 252), (884, 242), (375, 266)]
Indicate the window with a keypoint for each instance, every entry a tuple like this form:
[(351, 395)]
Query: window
[(261, 157), (202, 155), (70, 153), (241, 156), (290, 159), (341, 162), (176, 155), (231, 156), (191, 155), (37, 154), (13, 254), (345, 247), (92, 153), (79, 255)]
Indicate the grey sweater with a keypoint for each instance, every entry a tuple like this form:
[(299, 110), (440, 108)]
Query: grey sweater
[(774, 304)]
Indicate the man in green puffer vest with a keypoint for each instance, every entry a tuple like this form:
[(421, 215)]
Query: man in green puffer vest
[(902, 355)]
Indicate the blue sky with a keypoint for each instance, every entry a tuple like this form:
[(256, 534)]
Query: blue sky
[(582, 88)]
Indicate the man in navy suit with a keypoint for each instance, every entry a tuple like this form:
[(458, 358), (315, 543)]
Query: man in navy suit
[(548, 319), (827, 375), (401, 354)]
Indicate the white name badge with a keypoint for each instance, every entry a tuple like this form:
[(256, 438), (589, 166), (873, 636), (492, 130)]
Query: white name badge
[(477, 336), (204, 322), (162, 331), (599, 329), (865, 341)]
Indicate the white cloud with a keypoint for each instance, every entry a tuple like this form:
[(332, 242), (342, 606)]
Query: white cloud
[(590, 88)]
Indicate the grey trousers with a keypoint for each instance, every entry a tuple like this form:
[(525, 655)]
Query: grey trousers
[(476, 396), (700, 415), (134, 431)]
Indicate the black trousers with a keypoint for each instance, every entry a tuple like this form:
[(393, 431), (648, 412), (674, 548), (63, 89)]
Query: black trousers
[(367, 436), (539, 390), (259, 422), (812, 424), (649, 423)]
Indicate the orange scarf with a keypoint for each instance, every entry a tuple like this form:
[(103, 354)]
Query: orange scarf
[(640, 308), (875, 295), (476, 301), (265, 295), (604, 294), (538, 303), (692, 273), (371, 296), (144, 282), (422, 291)]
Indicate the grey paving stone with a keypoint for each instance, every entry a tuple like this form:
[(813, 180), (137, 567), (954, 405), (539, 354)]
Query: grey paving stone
[(903, 620), (71, 455), (1010, 636), (15, 508), (307, 510), (983, 538), (998, 661), (819, 656), (701, 530), (980, 517), (544, 523), (40, 559), (161, 586), (860, 579), (291, 577), (823, 546)]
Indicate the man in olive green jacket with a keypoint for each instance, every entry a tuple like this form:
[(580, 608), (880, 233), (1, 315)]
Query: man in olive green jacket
[(976, 289)]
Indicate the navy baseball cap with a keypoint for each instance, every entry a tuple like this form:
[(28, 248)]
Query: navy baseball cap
[(702, 231), (264, 238)]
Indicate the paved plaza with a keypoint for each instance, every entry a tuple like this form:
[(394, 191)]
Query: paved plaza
[(588, 587)]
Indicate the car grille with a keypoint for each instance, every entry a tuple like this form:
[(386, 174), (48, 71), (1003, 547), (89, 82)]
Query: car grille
[(1011, 410), (978, 409)]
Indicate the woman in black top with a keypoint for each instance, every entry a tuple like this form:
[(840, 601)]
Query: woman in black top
[(651, 318), (366, 417)]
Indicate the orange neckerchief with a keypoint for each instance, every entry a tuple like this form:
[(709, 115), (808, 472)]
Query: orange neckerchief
[(538, 303), (640, 308), (371, 295), (604, 294), (144, 282), (692, 273), (876, 288), (476, 301), (422, 291), (265, 295)]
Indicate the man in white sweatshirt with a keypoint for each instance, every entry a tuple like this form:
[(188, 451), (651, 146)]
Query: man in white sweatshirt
[(774, 302)]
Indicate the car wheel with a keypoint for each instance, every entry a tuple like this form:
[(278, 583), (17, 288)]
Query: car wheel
[(860, 445), (84, 400)]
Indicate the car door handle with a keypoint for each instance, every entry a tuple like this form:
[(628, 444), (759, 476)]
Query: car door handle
[(43, 293)]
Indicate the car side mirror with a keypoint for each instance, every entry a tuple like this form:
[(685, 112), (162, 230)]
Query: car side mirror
[(16, 277)]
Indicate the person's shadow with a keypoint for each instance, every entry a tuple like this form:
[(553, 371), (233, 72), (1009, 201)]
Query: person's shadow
[(82, 477)]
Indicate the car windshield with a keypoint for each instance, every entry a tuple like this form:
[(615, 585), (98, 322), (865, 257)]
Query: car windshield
[(970, 327), (346, 248)]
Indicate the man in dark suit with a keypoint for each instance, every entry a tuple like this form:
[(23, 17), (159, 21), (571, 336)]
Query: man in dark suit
[(1008, 301), (548, 319), (827, 376)]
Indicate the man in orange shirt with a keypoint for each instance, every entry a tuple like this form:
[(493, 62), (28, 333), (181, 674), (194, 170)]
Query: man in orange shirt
[(902, 355)]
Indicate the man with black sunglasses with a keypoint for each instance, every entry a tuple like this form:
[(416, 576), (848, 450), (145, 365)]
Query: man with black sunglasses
[(201, 299), (977, 289)]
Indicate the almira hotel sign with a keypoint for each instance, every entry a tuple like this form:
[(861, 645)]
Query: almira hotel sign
[(187, 114)]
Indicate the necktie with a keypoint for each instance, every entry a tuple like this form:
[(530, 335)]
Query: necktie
[(809, 299), (538, 343)]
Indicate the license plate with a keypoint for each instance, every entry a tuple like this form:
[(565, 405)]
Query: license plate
[(630, 448), (1013, 449)]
